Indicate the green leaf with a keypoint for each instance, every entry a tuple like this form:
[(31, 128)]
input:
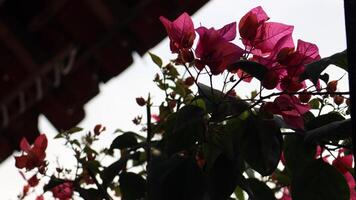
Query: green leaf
[(53, 182), (90, 193), (221, 140), (323, 120), (261, 144), (282, 177), (297, 153), (314, 103), (219, 106), (319, 181), (253, 68), (314, 69), (176, 178), (184, 129), (199, 102), (93, 165), (229, 107), (132, 186), (260, 190), (336, 130), (157, 60), (223, 178), (126, 140), (171, 71), (73, 130), (211, 153), (239, 193)]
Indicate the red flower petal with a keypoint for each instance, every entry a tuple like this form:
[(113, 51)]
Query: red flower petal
[(21, 161), (249, 24), (269, 34), (33, 181), (180, 32), (41, 142), (24, 145), (228, 32)]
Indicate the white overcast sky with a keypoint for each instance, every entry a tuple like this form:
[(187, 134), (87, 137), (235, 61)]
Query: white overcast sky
[(317, 21)]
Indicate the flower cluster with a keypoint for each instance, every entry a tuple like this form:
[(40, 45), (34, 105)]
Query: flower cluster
[(268, 43), (212, 142)]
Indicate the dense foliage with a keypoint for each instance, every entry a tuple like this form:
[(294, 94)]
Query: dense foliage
[(291, 139)]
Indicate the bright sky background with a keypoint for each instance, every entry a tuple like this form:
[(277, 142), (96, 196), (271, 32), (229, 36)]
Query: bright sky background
[(317, 21)]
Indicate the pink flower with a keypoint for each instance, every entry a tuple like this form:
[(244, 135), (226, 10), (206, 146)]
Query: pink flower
[(286, 194), (40, 197), (180, 32), (63, 191), (290, 108), (250, 22), (215, 51), (295, 61), (351, 183), (261, 36), (32, 156), (156, 117), (343, 162), (228, 32)]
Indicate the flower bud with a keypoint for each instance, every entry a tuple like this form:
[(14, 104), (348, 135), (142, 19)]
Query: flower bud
[(98, 129), (270, 80), (332, 86), (172, 104), (348, 102), (304, 97), (338, 100), (140, 101), (189, 81)]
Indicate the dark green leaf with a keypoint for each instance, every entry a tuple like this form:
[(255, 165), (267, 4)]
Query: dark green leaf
[(132, 186), (74, 130), (282, 177), (229, 107), (211, 153), (176, 178), (110, 172), (220, 105), (53, 182), (92, 194), (157, 60), (93, 166), (126, 140), (184, 128), (297, 153), (223, 178), (325, 78), (253, 68), (261, 144), (209, 95), (323, 120), (314, 69), (337, 130), (260, 190), (319, 181)]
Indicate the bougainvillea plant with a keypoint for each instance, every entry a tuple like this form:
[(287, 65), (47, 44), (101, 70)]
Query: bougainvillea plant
[(291, 139)]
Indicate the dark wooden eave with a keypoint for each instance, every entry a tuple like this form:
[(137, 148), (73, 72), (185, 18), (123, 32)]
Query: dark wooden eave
[(54, 53)]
